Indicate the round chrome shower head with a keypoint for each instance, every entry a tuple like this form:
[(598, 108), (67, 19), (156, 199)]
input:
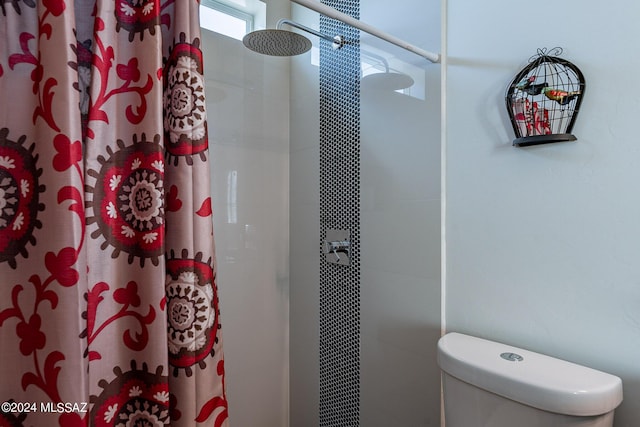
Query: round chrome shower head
[(277, 42)]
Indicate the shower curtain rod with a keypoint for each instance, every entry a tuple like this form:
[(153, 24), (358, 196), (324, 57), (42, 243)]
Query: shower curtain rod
[(335, 14)]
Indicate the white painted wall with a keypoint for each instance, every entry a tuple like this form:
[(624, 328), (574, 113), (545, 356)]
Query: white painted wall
[(248, 118), (543, 242)]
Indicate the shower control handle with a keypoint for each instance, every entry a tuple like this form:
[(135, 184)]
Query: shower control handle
[(337, 247)]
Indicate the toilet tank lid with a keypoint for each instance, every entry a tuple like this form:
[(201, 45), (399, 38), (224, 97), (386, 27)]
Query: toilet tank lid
[(530, 378)]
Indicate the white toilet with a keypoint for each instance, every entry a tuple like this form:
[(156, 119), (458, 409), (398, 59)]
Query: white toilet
[(488, 384)]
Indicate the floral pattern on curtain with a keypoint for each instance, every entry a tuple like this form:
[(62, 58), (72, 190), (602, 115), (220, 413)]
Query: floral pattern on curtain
[(109, 309)]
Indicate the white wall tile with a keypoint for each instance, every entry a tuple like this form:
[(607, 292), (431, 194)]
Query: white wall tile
[(248, 116)]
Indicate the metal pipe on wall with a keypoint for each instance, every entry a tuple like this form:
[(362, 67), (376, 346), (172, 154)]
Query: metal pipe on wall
[(335, 14)]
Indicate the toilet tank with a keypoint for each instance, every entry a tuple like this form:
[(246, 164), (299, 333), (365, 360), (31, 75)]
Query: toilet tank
[(507, 386)]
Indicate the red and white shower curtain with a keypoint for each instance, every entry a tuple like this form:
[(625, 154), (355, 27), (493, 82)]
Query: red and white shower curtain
[(108, 301)]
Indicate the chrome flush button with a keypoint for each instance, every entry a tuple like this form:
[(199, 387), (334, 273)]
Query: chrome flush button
[(512, 357)]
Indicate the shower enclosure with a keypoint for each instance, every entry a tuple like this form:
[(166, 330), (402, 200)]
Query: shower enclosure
[(344, 140)]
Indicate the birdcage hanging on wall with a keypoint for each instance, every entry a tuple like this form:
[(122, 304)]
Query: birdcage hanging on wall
[(544, 98)]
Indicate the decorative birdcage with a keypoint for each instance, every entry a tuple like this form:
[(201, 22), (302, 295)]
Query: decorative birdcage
[(544, 98)]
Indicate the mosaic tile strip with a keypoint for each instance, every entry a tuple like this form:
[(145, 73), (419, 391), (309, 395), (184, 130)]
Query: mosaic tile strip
[(340, 209)]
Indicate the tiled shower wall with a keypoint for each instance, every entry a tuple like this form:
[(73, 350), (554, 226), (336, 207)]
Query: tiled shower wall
[(379, 176), (362, 343)]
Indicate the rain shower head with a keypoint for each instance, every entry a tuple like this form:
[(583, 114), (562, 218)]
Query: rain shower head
[(280, 42), (277, 42)]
